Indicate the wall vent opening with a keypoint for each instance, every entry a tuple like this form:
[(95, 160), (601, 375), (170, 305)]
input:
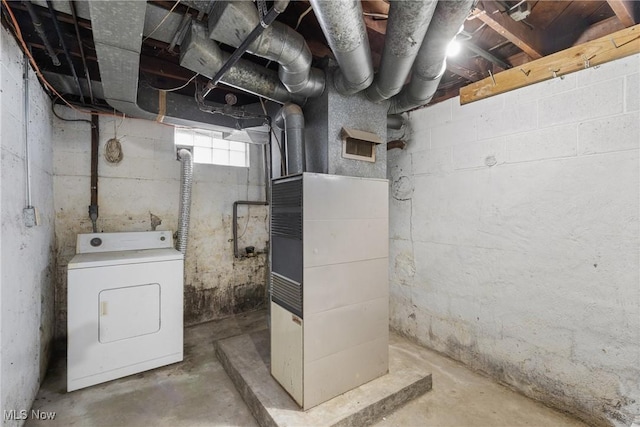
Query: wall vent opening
[(359, 144)]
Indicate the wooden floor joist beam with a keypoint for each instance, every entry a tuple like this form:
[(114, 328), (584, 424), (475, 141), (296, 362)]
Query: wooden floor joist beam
[(625, 10), (608, 48), (516, 32)]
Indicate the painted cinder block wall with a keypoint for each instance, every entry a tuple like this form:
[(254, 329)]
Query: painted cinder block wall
[(146, 182), (27, 254), (515, 238)]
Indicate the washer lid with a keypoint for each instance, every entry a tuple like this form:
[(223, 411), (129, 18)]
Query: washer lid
[(103, 259)]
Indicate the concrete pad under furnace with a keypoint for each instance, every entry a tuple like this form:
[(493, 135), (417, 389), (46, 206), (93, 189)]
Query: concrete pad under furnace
[(246, 360)]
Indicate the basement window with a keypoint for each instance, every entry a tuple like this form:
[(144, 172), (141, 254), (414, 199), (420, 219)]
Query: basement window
[(211, 147), (359, 145)]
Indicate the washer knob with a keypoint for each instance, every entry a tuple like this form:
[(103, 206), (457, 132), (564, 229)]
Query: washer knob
[(95, 242)]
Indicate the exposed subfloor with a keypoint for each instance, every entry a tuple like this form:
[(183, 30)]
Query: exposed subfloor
[(198, 392)]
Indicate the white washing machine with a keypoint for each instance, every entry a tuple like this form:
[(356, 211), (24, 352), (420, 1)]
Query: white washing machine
[(124, 306)]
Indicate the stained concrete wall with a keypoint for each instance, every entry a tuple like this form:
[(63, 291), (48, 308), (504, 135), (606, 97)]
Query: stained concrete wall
[(26, 288), (515, 238), (147, 182)]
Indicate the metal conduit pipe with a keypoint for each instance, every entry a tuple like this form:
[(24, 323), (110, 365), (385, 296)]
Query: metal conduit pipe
[(231, 23), (236, 251), (202, 55), (291, 119), (407, 25), (343, 25), (430, 64), (186, 182)]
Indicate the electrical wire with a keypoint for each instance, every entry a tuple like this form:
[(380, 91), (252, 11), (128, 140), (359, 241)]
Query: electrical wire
[(175, 88), (302, 17), (161, 22), (264, 109), (53, 110)]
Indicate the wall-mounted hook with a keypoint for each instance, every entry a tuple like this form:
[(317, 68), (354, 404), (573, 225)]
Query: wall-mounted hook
[(526, 73), (587, 61), (554, 72)]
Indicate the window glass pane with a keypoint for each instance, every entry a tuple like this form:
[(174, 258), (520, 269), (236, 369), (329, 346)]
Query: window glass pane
[(220, 157), (237, 158), (209, 148), (183, 137), (201, 155), (202, 140), (220, 143), (237, 146)]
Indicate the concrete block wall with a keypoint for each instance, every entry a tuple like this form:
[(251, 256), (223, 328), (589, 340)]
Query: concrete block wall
[(27, 253), (515, 238), (147, 182)]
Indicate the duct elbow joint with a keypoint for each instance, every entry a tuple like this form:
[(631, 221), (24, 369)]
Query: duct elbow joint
[(345, 87)]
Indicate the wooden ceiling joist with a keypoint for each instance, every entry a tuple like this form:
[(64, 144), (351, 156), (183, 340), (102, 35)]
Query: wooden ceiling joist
[(614, 46), (625, 10), (516, 32)]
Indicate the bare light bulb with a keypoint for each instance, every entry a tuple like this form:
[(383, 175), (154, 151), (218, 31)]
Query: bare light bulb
[(453, 48)]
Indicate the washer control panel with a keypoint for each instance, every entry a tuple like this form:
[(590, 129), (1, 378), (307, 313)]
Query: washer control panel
[(127, 241)]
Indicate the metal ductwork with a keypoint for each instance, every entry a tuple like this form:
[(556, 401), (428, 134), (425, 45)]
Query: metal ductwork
[(343, 26), (430, 64), (407, 25), (202, 55), (231, 22), (117, 33), (291, 119), (395, 121), (186, 184)]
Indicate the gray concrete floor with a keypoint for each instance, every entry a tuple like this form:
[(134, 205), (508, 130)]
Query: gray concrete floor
[(198, 392)]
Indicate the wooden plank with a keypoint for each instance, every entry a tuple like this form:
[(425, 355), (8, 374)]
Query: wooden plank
[(516, 32), (614, 46), (462, 71), (624, 10), (375, 6), (377, 25)]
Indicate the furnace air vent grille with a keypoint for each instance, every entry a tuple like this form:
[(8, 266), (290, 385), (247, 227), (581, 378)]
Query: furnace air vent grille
[(286, 209), (286, 293)]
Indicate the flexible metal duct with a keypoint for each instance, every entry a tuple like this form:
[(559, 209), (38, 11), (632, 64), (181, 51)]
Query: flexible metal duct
[(291, 119), (430, 64), (186, 182), (202, 55), (395, 121), (406, 27), (117, 33), (343, 26), (231, 22)]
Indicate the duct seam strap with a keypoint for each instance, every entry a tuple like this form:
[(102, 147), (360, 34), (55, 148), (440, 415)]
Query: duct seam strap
[(162, 105)]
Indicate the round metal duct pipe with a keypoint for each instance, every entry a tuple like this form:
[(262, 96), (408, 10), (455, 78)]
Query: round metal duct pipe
[(430, 64), (343, 26), (407, 25)]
